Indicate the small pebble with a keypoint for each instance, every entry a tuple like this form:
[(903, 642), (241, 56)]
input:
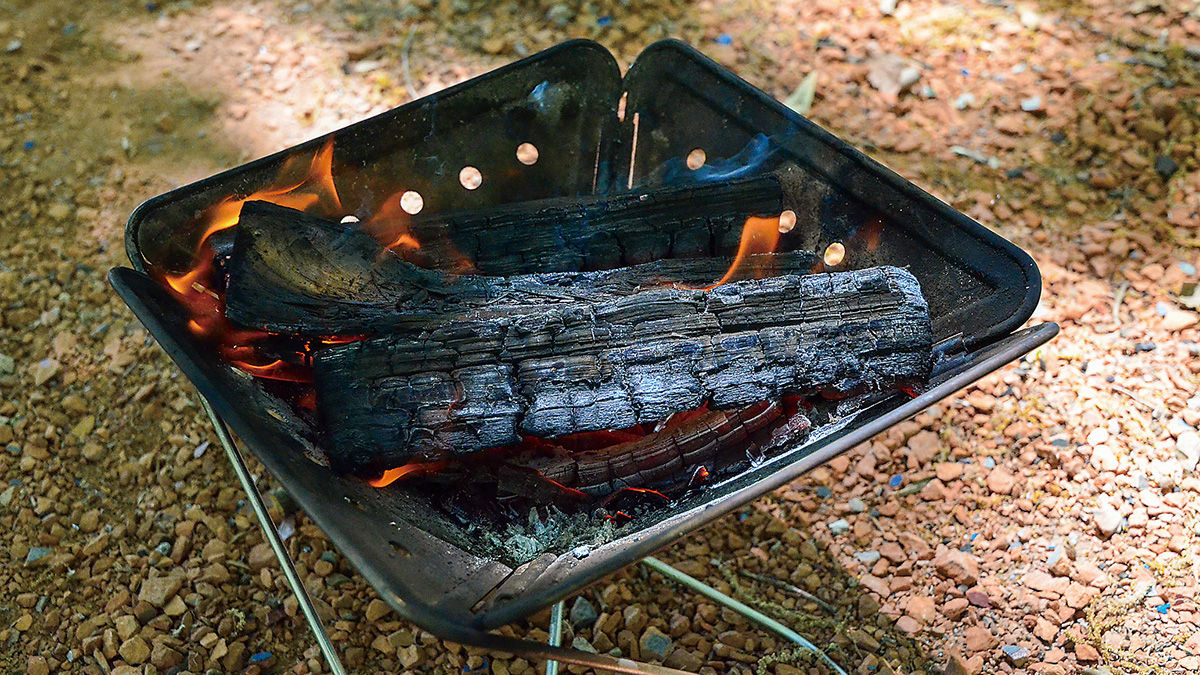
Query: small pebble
[(1029, 18), (45, 370), (1031, 104), (1017, 656), (856, 505), (655, 644), (12, 46), (839, 526), (1187, 450), (37, 553), (1177, 426), (867, 557), (1165, 166), (583, 645), (1107, 520), (583, 613), (1177, 320)]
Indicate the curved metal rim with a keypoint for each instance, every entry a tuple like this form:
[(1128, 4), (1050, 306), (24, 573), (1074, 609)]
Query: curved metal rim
[(133, 224), (1026, 264)]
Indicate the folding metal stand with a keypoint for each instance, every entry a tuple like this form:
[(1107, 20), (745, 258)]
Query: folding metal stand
[(553, 652), (980, 288)]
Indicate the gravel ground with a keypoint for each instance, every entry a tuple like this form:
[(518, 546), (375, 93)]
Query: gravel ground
[(1042, 521)]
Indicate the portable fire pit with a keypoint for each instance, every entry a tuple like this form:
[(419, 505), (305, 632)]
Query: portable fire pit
[(333, 304)]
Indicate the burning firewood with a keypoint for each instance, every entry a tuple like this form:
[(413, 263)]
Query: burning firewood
[(480, 381), (293, 273), (674, 451), (592, 232)]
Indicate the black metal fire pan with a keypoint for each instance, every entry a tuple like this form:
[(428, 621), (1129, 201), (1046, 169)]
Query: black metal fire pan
[(980, 287)]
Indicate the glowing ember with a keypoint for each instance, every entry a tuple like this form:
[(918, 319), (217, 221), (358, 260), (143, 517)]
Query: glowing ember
[(636, 491), (413, 469), (276, 370)]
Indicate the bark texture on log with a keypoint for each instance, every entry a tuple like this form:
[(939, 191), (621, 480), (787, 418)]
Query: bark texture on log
[(482, 382), (596, 232), (671, 454), (293, 273)]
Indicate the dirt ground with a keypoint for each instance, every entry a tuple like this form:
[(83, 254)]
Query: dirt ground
[(1043, 521)]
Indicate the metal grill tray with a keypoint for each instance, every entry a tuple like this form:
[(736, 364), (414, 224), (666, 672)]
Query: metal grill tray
[(980, 287)]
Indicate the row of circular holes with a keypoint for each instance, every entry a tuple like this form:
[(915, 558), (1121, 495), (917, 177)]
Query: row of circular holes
[(834, 253), (527, 153), (411, 202)]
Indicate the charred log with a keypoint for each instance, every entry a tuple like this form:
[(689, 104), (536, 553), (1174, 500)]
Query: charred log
[(480, 382), (596, 232), (294, 273)]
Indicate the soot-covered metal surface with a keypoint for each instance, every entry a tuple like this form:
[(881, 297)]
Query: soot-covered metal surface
[(592, 132)]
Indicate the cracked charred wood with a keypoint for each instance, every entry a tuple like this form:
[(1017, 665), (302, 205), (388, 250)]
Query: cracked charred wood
[(670, 454), (596, 232), (481, 382), (294, 273)]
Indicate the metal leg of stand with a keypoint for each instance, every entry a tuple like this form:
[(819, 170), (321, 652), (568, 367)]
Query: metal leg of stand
[(273, 538), (739, 607), (556, 620), (488, 641)]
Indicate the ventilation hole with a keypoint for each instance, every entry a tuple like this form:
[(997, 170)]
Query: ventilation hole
[(470, 177), (621, 106), (412, 202), (400, 550), (787, 220), (834, 254), (527, 154), (348, 220), (695, 159)]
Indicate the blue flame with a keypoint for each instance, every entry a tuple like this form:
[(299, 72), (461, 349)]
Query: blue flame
[(748, 161)]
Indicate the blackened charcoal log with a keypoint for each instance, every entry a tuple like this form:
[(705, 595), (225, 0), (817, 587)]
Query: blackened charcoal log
[(472, 384), (671, 454), (297, 274), (596, 232)]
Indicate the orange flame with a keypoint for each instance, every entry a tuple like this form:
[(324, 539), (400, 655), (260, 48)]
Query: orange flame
[(870, 234), (391, 221), (759, 235), (276, 370), (411, 469), (314, 192), (308, 189), (389, 225)]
